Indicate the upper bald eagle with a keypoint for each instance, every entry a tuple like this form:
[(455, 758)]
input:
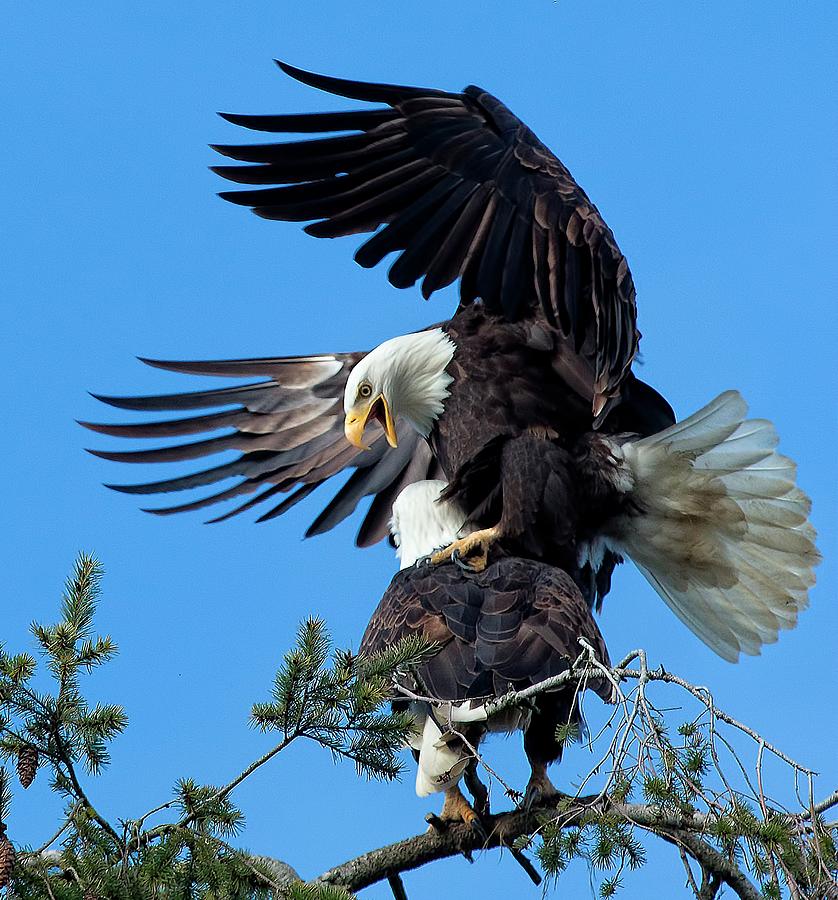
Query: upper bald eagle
[(466, 191)]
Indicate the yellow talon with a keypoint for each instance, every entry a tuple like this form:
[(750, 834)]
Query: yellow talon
[(457, 809), (474, 548)]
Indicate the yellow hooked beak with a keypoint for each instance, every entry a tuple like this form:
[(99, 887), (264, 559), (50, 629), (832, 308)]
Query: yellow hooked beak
[(356, 422)]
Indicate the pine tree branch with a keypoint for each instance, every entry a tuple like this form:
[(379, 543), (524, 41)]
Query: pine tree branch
[(284, 875), (397, 887), (822, 807), (223, 792), (78, 790), (246, 773), (67, 823), (714, 864), (587, 666), (729, 833), (674, 820), (682, 830)]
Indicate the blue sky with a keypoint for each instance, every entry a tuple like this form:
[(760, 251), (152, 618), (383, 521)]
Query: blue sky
[(704, 132)]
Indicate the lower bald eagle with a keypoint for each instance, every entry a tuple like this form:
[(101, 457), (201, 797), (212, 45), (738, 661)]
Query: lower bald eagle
[(506, 628)]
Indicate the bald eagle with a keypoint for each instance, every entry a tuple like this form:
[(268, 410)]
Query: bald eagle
[(467, 192), (506, 628)]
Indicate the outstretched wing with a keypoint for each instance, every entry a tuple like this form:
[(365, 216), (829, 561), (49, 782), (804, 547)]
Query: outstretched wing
[(289, 431), (465, 190)]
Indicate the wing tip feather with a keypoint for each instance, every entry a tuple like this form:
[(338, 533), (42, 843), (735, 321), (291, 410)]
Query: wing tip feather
[(108, 399), (119, 488)]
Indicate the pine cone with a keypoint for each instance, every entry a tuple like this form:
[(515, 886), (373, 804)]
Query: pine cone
[(27, 765), (7, 857)]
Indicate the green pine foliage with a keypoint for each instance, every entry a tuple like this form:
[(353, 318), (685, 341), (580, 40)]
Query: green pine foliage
[(332, 698), (677, 776), (339, 706), (568, 733), (61, 727), (604, 840), (181, 848), (5, 794)]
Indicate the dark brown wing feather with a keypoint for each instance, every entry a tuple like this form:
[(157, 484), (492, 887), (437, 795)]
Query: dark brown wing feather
[(288, 430), (513, 625), (465, 190)]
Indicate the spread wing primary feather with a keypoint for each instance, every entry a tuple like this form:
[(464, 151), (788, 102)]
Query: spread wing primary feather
[(465, 191), (289, 431)]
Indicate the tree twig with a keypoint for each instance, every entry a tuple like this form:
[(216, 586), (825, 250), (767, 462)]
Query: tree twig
[(84, 800), (220, 794), (397, 886), (712, 861)]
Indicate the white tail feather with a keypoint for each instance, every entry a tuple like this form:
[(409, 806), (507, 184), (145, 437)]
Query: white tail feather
[(443, 756), (441, 764), (723, 532)]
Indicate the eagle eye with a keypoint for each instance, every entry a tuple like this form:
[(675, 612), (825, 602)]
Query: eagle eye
[(365, 390)]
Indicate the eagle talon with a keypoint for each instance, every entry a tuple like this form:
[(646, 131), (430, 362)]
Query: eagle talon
[(461, 563), (475, 548), (540, 789), (532, 797), (435, 823), (477, 827), (457, 809)]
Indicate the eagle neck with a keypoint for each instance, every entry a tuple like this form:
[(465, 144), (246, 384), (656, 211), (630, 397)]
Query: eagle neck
[(419, 378)]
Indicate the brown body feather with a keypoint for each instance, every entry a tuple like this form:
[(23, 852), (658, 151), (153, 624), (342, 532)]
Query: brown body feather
[(509, 627), (518, 445)]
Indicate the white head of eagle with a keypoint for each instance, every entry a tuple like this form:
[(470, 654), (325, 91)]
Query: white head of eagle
[(404, 377)]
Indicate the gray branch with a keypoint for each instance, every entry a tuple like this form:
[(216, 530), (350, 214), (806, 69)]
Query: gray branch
[(718, 866), (683, 830)]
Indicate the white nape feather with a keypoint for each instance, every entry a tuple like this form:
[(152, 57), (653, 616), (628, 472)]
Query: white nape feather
[(409, 371), (422, 523), (723, 534)]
